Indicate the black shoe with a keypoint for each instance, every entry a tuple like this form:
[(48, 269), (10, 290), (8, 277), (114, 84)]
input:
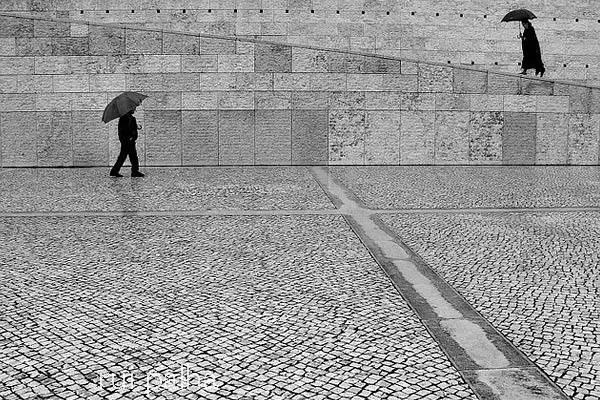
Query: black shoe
[(542, 72), (136, 174), (116, 174)]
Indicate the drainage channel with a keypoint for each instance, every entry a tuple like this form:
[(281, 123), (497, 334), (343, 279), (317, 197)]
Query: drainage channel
[(488, 362)]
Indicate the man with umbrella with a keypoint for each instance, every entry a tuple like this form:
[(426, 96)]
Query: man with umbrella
[(123, 106), (532, 55)]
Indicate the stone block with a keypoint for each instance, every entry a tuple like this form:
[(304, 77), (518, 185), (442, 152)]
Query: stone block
[(199, 63), (156, 63), (347, 131), (503, 84), (15, 27), (452, 101), (519, 138), (53, 101), (417, 137), (382, 139), (535, 87), (8, 84), (218, 81), (552, 138), (272, 100), (236, 137), (487, 102), (33, 46), (412, 101), (105, 40), (19, 136), (45, 28), (90, 101), (552, 104), (236, 100), (517, 103), (583, 139), (273, 137), (34, 83), (292, 81), (90, 139), (452, 137), (200, 137), (272, 58), (16, 65), (54, 144), (170, 100), (125, 64), (328, 82), (175, 43), (70, 46), (143, 42), (595, 101), (216, 46), (145, 82), (107, 82), (309, 60), (383, 100), (309, 137), (433, 78), (580, 99), (53, 65), (377, 65), (245, 48), (71, 83), (79, 30), (181, 81), (467, 81), (17, 102), (235, 63), (307, 100), (400, 82), (8, 46), (200, 100), (347, 100), (485, 137), (163, 137), (253, 81), (409, 67)]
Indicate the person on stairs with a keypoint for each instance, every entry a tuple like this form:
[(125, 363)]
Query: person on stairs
[(532, 55)]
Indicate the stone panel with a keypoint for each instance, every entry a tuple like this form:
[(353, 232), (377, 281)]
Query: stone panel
[(44, 28), (162, 100), (400, 82), (413, 101), (595, 103), (200, 100), (272, 58), (467, 81), (236, 100), (328, 81), (272, 100), (55, 144), (199, 63), (503, 84), (145, 82), (143, 42), (216, 46), (517, 103), (235, 63), (19, 136), (90, 101), (433, 78), (417, 137), (347, 100), (365, 82), (218, 81), (452, 101), (552, 138), (487, 102), (16, 65), (163, 137), (52, 65), (17, 102), (347, 131), (159, 63), (53, 101), (34, 83), (289, 81), (552, 104), (71, 83), (519, 138), (33, 46), (310, 137), (236, 137), (70, 46), (382, 140), (452, 137), (200, 137), (535, 87), (310, 100), (583, 139), (174, 43), (15, 27), (273, 137), (125, 63), (376, 65), (90, 139), (8, 83), (106, 40), (107, 82), (88, 65), (485, 137), (383, 100)]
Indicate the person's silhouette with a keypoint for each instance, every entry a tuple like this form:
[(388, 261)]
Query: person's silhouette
[(532, 55), (128, 134)]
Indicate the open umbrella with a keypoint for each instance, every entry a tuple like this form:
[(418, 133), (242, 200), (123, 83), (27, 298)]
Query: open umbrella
[(121, 105), (518, 15)]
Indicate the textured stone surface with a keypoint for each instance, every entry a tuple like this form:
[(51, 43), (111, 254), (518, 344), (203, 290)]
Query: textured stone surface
[(435, 79), (451, 101), (347, 132), (19, 136), (272, 58), (273, 137), (54, 140), (503, 84), (310, 137), (452, 137), (552, 138), (382, 139), (584, 132), (236, 137), (200, 137), (519, 138), (518, 103), (90, 139), (485, 137), (180, 44), (417, 137), (143, 42), (163, 137), (106, 40), (533, 87), (466, 81)]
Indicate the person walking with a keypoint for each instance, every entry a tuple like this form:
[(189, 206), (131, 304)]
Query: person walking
[(128, 134), (532, 55)]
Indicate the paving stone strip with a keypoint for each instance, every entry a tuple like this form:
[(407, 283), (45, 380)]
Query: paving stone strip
[(488, 362)]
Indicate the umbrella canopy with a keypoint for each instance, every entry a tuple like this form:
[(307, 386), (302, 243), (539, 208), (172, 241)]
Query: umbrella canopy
[(518, 15), (121, 105)]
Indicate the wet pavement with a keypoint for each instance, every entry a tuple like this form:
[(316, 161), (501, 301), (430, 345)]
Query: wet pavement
[(272, 283)]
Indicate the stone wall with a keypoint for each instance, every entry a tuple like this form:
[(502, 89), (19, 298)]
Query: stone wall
[(219, 101), (456, 31)]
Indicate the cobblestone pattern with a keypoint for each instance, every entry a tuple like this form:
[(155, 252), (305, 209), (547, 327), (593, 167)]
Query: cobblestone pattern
[(472, 187), (163, 189), (290, 307), (535, 277)]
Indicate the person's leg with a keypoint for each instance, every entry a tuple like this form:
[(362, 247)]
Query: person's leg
[(120, 160), (135, 164)]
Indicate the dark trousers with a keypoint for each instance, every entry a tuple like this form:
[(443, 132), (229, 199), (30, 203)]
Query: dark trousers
[(127, 149)]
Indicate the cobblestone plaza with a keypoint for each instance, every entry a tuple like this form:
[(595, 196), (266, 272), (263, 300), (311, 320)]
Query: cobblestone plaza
[(300, 283)]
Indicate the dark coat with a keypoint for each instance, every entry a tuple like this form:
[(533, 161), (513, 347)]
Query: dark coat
[(128, 130), (532, 55)]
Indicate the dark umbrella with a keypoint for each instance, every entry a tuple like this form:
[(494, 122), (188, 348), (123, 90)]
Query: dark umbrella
[(518, 15), (121, 105)]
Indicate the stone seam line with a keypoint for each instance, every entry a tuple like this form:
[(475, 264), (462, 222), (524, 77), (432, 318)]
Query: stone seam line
[(488, 362)]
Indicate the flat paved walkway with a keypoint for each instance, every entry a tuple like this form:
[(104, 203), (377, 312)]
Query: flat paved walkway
[(300, 283)]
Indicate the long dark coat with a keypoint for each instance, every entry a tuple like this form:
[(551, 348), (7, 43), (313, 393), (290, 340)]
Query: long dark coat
[(127, 128), (532, 55)]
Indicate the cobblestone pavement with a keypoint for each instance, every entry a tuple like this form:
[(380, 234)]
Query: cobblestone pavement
[(251, 307), (472, 187), (163, 189), (536, 277)]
